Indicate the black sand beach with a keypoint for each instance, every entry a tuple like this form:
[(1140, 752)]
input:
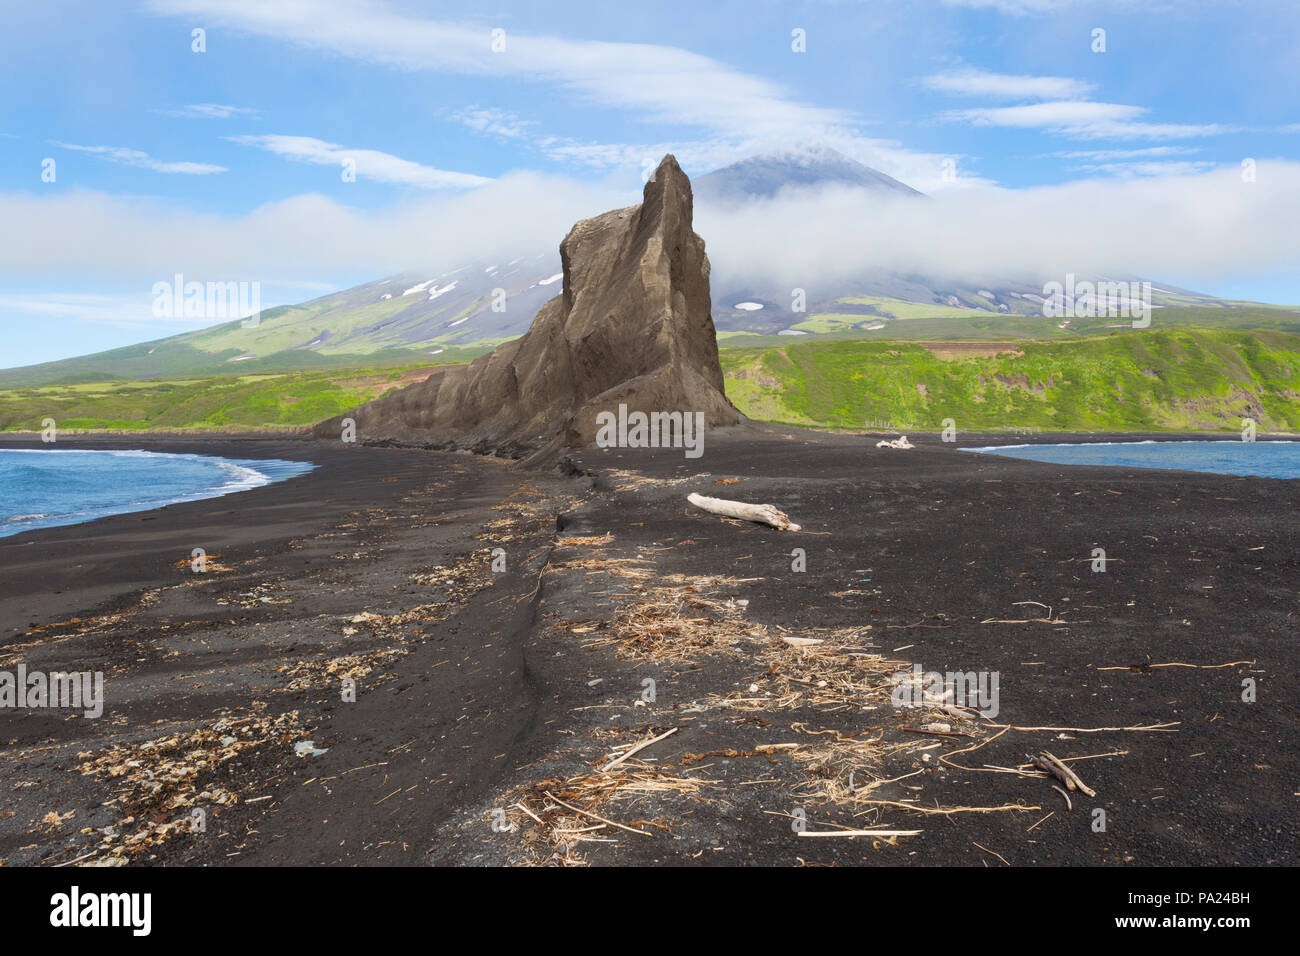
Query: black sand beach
[(487, 697)]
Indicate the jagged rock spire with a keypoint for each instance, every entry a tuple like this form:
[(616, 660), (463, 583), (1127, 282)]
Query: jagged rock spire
[(632, 326)]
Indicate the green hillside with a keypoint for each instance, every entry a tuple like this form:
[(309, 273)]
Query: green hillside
[(1170, 379), (230, 350), (227, 402), (918, 321), (357, 329), (1178, 379)]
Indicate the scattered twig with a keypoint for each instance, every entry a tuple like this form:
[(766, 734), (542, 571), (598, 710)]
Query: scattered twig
[(994, 852), (1050, 814), (1154, 728), (637, 749), (983, 743), (1047, 761), (1069, 805), (1147, 667), (947, 811), (1032, 620), (937, 733), (524, 808), (858, 833), (588, 813)]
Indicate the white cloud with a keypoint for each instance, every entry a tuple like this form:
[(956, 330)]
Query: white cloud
[(1129, 169), (973, 82), (1014, 7), (208, 111), (1062, 114), (695, 156), (142, 160), (660, 82), (492, 121), (1166, 227), (94, 235), (1035, 7), (1106, 155), (1082, 119), (923, 171), (1163, 227), (369, 163), (739, 114), (78, 307)]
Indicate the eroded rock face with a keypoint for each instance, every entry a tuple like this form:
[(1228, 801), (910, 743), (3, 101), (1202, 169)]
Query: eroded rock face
[(632, 327)]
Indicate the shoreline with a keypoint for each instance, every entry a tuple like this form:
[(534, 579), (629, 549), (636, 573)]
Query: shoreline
[(236, 475), (301, 434), (474, 686)]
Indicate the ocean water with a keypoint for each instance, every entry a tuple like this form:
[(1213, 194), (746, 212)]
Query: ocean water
[(1264, 459), (42, 488)]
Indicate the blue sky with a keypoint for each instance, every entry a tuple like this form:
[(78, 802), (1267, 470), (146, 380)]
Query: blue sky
[(226, 163)]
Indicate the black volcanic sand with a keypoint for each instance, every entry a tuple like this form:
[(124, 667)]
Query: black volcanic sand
[(478, 691)]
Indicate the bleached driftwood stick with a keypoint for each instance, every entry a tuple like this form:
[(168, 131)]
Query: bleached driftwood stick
[(802, 641), (1072, 780), (858, 833), (764, 514), (1056, 768), (637, 749)]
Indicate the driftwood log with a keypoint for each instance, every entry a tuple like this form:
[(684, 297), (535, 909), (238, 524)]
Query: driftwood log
[(896, 443), (764, 514)]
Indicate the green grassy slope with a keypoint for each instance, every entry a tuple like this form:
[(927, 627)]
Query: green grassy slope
[(939, 323), (1170, 379), (224, 402), (1180, 379), (175, 358), (339, 333)]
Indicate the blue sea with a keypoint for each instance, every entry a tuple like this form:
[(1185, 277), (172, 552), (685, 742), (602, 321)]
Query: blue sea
[(1263, 459), (42, 488)]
